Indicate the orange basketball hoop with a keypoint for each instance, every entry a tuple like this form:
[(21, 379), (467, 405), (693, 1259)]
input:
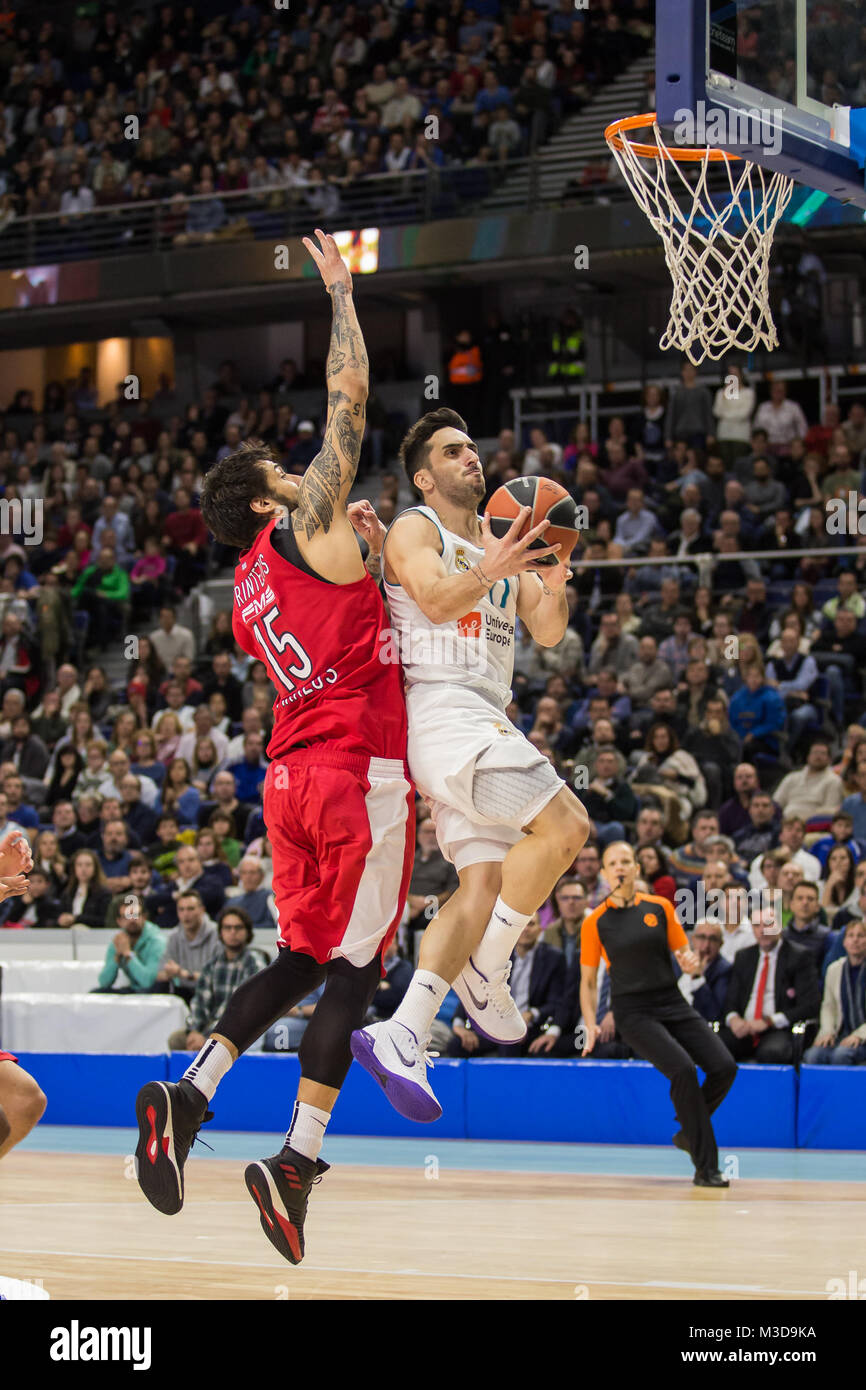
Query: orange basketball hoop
[(717, 245)]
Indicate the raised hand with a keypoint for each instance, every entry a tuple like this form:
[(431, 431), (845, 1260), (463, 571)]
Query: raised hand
[(367, 524), (508, 556), (332, 267), (15, 854), (13, 887)]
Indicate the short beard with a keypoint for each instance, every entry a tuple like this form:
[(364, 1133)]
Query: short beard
[(466, 494)]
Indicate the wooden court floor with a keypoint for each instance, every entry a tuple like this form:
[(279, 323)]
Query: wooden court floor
[(79, 1223)]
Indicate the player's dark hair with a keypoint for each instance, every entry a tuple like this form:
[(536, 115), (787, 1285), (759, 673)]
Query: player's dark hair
[(414, 452), (229, 488)]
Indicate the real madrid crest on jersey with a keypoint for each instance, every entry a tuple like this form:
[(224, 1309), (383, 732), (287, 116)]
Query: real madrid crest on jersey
[(460, 559)]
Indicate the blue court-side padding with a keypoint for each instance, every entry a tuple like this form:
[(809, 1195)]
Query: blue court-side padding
[(832, 1110), (564, 1102), (92, 1088), (259, 1092), (618, 1103)]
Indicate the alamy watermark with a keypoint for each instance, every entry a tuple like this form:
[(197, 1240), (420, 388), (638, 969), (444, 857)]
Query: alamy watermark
[(22, 516), (722, 907), (720, 127), (846, 516)]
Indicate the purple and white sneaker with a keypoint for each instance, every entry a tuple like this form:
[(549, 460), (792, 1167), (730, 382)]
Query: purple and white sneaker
[(489, 1004), (393, 1056)]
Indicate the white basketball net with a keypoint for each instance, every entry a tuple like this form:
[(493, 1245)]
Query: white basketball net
[(717, 246)]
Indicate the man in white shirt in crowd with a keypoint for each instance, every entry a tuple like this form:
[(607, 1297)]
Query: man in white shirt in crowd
[(733, 916), (174, 701), (203, 727), (815, 790), (70, 690), (170, 639), (791, 835), (783, 420), (78, 197), (403, 109)]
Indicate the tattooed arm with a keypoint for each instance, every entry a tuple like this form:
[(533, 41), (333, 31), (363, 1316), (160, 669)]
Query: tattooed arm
[(321, 525)]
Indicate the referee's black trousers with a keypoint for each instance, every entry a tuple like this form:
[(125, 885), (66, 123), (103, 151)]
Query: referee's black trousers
[(666, 1031)]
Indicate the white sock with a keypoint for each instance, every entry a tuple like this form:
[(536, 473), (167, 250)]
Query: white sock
[(209, 1067), (500, 937), (307, 1129), (421, 1003)]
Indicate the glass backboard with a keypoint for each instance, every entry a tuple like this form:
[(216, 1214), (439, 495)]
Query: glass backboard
[(772, 80)]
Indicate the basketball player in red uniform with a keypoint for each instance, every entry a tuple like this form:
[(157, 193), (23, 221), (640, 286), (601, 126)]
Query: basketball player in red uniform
[(22, 1103), (338, 802)]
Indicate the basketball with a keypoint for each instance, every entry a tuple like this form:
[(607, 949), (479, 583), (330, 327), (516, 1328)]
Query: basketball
[(547, 500)]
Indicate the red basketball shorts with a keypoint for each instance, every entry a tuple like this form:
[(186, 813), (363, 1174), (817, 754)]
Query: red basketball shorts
[(342, 832), (7, 1057)]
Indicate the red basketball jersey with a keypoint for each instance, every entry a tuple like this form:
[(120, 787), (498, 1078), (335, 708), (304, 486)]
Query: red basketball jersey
[(321, 644)]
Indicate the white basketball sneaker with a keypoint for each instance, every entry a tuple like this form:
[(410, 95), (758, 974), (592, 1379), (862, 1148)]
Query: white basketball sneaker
[(489, 1004), (394, 1057)]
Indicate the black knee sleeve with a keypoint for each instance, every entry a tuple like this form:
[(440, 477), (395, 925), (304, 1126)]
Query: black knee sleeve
[(324, 1054), (269, 995)]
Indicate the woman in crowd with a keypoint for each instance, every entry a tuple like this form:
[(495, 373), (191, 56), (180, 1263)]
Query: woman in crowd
[(217, 706), (125, 732), (62, 783), (803, 607), (48, 858), (168, 735), (81, 731), (222, 826), (654, 869), (146, 763), (85, 898), (671, 773), (838, 884), (178, 793), (257, 679), (97, 693), (629, 622), (853, 757), (48, 723), (205, 763), (213, 856)]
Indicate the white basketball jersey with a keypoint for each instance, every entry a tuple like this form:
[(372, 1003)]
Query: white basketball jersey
[(475, 650)]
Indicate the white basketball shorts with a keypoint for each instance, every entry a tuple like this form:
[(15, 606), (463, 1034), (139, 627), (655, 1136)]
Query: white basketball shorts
[(455, 734)]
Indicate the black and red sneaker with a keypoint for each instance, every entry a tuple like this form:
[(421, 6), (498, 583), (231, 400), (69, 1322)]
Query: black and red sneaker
[(280, 1187), (169, 1118)]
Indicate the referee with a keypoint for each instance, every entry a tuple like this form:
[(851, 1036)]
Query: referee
[(636, 933)]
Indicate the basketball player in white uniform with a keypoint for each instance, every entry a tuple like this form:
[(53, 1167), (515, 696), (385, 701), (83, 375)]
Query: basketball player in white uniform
[(503, 816)]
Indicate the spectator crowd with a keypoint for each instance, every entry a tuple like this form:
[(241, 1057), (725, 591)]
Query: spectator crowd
[(112, 108)]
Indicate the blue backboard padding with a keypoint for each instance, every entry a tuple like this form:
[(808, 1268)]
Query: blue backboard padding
[(618, 1103), (857, 134), (832, 1109), (587, 1102)]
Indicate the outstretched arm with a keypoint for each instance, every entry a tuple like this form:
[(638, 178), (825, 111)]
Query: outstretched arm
[(322, 528)]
